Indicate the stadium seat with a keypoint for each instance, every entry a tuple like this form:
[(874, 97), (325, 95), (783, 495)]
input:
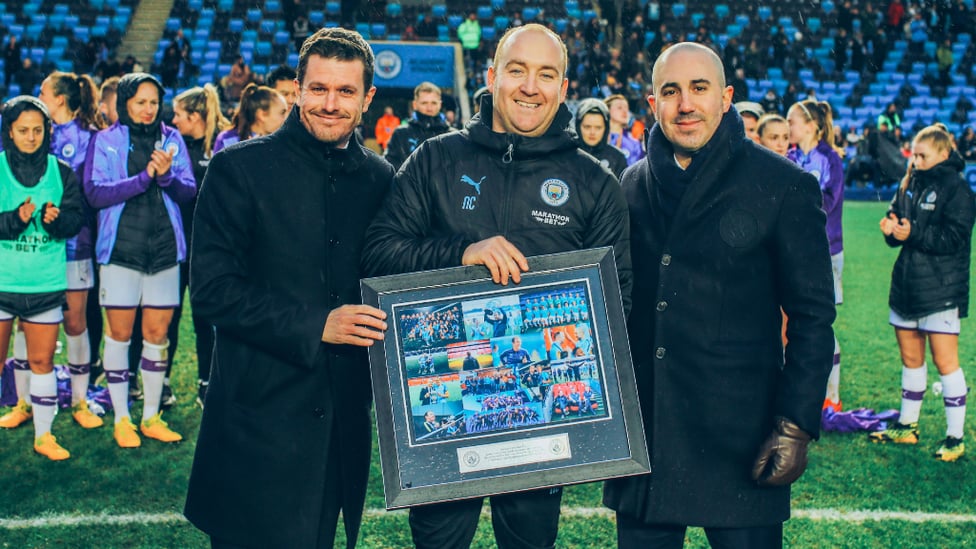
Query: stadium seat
[(733, 30), (440, 10), (273, 7), (59, 41), (268, 26), (36, 55), (485, 13), (225, 6), (378, 31), (253, 15), (813, 25), (529, 14), (111, 5), (501, 23), (262, 50), (199, 35), (81, 33), (99, 30), (454, 21), (33, 32), (120, 22), (333, 8), (60, 9), (870, 101), (589, 15), (38, 19), (235, 25), (282, 38), (829, 87), (648, 37), (292, 60), (876, 88), (561, 25), (394, 10), (172, 24), (249, 36), (488, 33), (827, 6), (571, 5), (194, 5), (678, 10), (721, 11), (498, 5), (363, 29), (764, 13)]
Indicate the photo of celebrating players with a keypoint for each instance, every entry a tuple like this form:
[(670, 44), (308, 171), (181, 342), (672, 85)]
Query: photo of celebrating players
[(513, 360)]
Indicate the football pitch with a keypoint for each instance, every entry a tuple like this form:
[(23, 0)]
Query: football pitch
[(854, 494)]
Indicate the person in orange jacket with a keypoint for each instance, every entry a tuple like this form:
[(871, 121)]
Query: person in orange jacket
[(385, 126)]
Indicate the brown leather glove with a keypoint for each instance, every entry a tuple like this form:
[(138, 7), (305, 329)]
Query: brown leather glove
[(783, 456)]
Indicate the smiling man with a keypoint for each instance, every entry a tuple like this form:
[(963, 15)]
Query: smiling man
[(512, 184), (284, 443), (724, 234)]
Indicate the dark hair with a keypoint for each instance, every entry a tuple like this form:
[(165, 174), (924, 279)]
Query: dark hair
[(81, 96), (337, 43), (281, 72), (253, 99)]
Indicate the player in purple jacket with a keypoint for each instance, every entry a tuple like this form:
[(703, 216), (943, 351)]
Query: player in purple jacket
[(262, 111), (812, 130), (73, 103), (137, 172)]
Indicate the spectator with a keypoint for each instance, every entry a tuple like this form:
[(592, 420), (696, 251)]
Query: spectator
[(621, 135), (427, 29), (469, 34), (11, 61), (300, 30), (945, 59), (890, 117), (170, 67), (29, 77), (967, 144), (751, 113), (425, 123), (771, 102), (239, 77), (282, 80)]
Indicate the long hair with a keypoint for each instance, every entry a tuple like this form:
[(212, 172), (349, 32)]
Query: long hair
[(253, 99), (81, 97), (940, 138), (205, 101), (822, 115)]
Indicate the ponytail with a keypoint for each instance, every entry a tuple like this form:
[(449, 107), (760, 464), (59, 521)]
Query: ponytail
[(822, 115), (81, 97), (205, 101), (253, 99)]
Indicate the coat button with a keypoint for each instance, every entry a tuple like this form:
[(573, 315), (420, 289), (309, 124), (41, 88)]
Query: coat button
[(333, 242), (666, 259), (662, 305), (660, 352), (319, 413)]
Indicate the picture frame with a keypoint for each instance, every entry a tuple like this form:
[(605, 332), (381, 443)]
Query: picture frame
[(482, 388)]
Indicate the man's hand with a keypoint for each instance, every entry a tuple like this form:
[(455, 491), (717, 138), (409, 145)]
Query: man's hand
[(783, 457), (501, 257), (888, 224), (26, 210), (51, 213), (358, 325)]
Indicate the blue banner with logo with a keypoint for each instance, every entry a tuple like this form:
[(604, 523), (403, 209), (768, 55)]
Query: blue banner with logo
[(404, 65)]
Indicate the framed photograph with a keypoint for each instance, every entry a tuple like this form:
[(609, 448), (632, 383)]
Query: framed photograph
[(483, 389)]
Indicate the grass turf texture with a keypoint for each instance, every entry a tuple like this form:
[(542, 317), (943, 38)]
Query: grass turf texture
[(846, 472)]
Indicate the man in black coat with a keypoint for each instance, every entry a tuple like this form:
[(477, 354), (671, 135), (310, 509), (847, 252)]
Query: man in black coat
[(426, 122), (284, 443), (511, 184), (724, 234)]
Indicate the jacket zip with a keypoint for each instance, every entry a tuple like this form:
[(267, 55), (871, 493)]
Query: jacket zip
[(507, 161)]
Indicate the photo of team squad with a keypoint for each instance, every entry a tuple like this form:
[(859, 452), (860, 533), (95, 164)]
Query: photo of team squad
[(506, 362)]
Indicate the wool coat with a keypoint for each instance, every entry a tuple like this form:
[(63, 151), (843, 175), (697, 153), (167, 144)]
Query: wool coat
[(285, 435), (746, 238)]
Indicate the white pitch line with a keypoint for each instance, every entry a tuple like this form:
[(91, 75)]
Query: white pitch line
[(836, 515)]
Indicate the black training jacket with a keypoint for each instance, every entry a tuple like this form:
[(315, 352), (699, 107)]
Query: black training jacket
[(541, 193)]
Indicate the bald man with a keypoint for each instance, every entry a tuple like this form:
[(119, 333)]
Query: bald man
[(511, 185), (723, 234)]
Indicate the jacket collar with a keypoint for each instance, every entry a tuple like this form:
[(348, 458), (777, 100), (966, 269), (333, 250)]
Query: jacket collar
[(428, 122), (560, 136), (343, 160)]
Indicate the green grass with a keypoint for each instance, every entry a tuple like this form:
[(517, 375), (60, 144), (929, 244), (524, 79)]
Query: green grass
[(846, 472)]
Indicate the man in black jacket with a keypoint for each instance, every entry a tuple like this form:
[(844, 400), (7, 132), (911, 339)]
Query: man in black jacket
[(511, 184), (724, 234), (426, 122), (284, 443)]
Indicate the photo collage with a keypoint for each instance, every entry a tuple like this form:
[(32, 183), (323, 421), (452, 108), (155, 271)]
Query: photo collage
[(510, 361)]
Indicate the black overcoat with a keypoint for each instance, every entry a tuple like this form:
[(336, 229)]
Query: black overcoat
[(278, 233), (747, 238)]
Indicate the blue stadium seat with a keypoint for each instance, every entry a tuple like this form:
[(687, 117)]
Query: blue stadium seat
[(589, 15), (529, 14), (696, 18), (454, 21), (774, 73), (124, 10), (498, 5), (119, 22), (235, 25), (845, 111), (36, 55), (742, 20), (7, 20), (60, 9), (805, 74), (561, 25), (813, 24), (876, 88), (200, 35), (721, 11), (316, 17), (263, 49), (112, 4), (444, 35), (81, 32), (678, 10), (363, 29), (964, 38), (394, 10), (829, 87), (97, 4), (827, 5), (764, 13), (571, 5), (485, 13), (488, 33), (333, 8), (440, 10), (249, 36), (733, 30), (71, 21), (33, 32), (648, 37), (225, 6), (194, 5), (282, 38), (273, 7), (870, 101), (785, 21), (378, 31), (501, 23), (59, 41), (931, 102), (292, 60), (99, 30), (268, 26), (172, 24), (253, 15), (38, 19)]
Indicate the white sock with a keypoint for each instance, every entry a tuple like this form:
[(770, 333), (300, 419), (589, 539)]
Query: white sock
[(22, 373), (913, 384), (115, 359), (833, 381), (954, 397), (153, 372), (79, 364), (44, 397)]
